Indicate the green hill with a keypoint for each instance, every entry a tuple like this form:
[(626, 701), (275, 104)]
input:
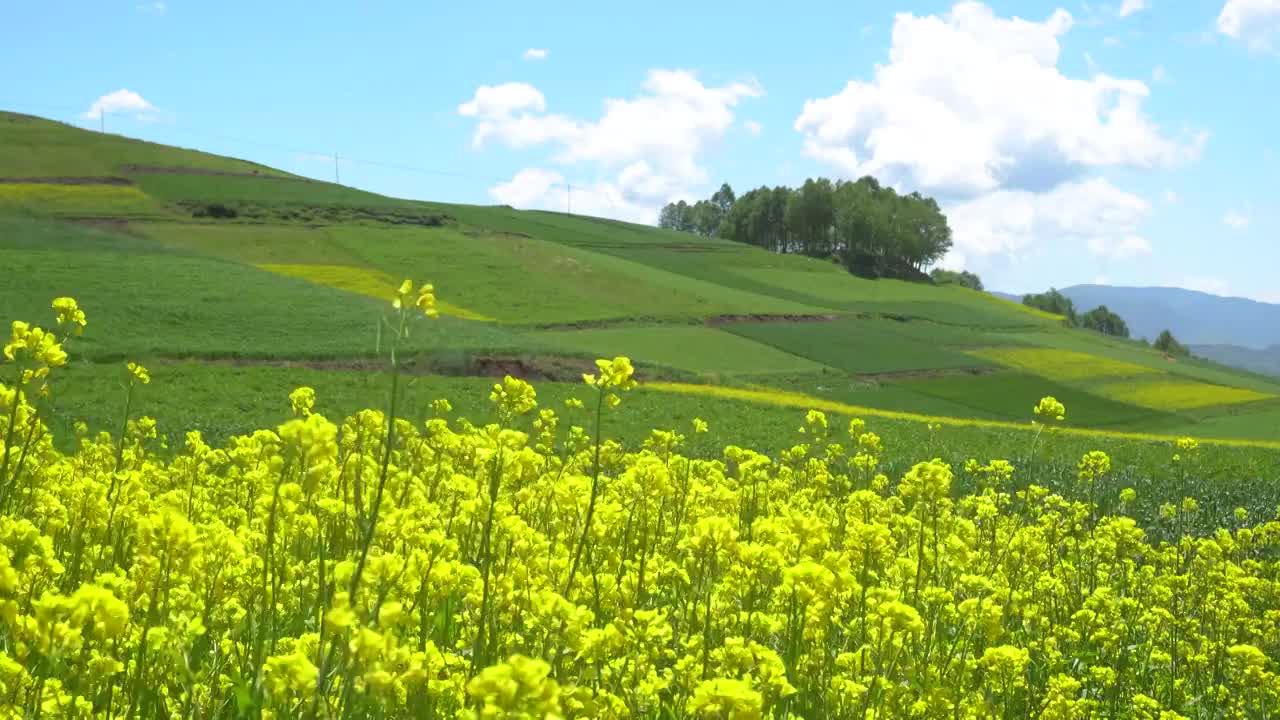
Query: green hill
[(217, 272)]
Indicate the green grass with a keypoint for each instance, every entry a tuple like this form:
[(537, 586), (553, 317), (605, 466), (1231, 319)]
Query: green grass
[(35, 147), (826, 285), (1012, 395), (1245, 423), (253, 244), (858, 346), (804, 281), (530, 281), (479, 271), (265, 191), (879, 395), (695, 349), (148, 300), (935, 333)]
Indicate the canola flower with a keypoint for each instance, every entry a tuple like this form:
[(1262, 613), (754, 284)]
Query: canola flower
[(1050, 409), (375, 567)]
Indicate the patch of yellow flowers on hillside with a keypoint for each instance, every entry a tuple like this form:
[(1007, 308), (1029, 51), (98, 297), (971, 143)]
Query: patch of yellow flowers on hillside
[(371, 566)]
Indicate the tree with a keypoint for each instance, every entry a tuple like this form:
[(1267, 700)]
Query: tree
[(706, 218), (1169, 345), (676, 216), (1104, 321), (1053, 302), (724, 199), (871, 229), (950, 277)]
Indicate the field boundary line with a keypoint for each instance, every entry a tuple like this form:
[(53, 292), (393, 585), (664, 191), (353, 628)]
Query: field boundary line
[(801, 401)]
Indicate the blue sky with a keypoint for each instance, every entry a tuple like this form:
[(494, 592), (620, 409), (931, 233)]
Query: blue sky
[(1131, 142)]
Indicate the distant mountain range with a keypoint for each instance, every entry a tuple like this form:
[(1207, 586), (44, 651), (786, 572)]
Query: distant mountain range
[(1234, 331), (1194, 317), (1265, 361)]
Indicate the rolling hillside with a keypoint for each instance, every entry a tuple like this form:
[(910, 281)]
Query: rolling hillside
[(212, 269)]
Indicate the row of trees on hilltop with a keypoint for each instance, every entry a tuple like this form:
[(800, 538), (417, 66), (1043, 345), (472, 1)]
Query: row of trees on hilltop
[(964, 278), (871, 229), (1099, 319)]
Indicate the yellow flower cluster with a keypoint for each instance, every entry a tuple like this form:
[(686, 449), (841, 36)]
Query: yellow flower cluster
[(375, 567), (1050, 409), (139, 374), (424, 298)]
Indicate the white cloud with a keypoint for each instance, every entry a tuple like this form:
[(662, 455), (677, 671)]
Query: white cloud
[(155, 8), (1171, 197), (1093, 213), (1207, 284), (541, 189), (536, 54), (121, 102), (500, 101), (1254, 22), (1130, 7), (754, 127), (1112, 41), (644, 151), (970, 103), (1159, 73), (1129, 246), (1236, 220), (529, 187)]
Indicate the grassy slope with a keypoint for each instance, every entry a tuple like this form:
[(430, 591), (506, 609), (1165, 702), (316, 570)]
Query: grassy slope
[(167, 284), (35, 147)]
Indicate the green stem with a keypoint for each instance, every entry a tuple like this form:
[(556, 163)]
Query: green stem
[(8, 439), (595, 494), (124, 428), (478, 659)]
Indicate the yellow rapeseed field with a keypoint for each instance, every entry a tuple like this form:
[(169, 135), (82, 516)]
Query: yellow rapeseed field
[(359, 280), (1056, 364), (372, 567), (1178, 394), (57, 198)]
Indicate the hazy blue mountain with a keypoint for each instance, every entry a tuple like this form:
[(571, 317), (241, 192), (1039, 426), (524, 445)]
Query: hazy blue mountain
[(1006, 296), (1194, 317), (1266, 361)]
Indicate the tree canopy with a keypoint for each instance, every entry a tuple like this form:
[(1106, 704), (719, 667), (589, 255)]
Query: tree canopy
[(873, 230), (1104, 321), (1053, 302), (1167, 343), (963, 278)]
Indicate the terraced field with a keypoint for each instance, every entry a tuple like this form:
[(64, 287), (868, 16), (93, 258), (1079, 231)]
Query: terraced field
[(184, 259)]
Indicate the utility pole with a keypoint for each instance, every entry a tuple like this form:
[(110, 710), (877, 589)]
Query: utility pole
[(337, 180), (569, 200)]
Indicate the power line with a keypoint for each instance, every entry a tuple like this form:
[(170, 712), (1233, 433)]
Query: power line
[(265, 145)]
